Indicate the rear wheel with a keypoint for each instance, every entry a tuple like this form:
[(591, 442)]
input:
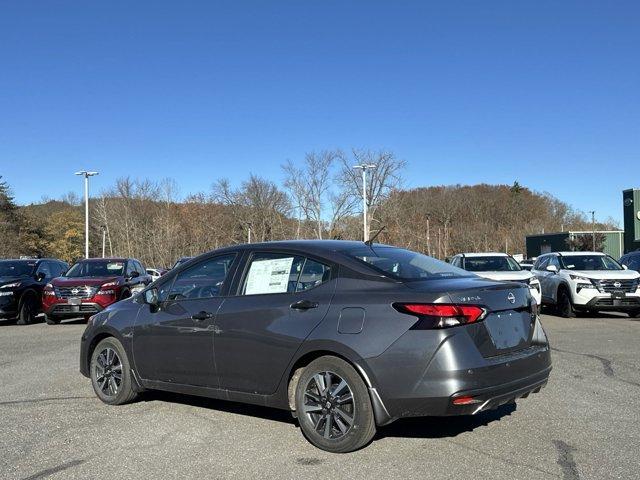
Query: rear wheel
[(51, 320), (333, 406), (28, 310), (111, 373), (565, 307)]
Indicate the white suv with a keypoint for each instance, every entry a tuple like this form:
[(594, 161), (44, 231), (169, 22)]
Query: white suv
[(498, 266), (587, 281)]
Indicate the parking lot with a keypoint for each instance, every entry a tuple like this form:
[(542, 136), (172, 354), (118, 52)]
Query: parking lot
[(585, 424)]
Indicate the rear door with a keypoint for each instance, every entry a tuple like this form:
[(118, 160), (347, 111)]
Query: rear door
[(175, 343), (280, 299)]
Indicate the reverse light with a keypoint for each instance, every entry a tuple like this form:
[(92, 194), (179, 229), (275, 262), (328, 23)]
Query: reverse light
[(438, 315)]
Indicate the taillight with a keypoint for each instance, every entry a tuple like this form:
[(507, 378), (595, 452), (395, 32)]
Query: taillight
[(439, 315)]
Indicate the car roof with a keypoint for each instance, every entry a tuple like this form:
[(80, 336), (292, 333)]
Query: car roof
[(107, 259), (485, 254), (573, 254)]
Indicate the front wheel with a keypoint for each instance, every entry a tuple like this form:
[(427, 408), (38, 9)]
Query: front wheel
[(333, 406), (28, 310), (111, 373), (565, 307)]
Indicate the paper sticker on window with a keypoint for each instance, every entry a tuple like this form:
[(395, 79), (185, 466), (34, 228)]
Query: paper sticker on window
[(114, 266), (269, 276)]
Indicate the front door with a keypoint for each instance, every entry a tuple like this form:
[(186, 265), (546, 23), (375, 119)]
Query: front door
[(175, 343), (281, 299)]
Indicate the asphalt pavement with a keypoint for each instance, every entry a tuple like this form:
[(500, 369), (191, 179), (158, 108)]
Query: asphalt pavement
[(584, 425)]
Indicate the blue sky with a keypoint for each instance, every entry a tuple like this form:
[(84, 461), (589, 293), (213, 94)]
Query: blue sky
[(546, 93)]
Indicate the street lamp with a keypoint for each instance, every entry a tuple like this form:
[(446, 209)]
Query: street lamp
[(593, 228), (86, 174), (364, 167)]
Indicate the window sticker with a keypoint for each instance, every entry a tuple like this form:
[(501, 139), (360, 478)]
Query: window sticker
[(114, 266), (269, 276)]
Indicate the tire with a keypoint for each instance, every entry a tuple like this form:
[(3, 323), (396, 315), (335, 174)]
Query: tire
[(28, 309), (341, 423), (565, 307), (51, 320), (110, 373)]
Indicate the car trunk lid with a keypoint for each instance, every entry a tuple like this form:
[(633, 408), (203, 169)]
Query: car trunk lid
[(509, 323)]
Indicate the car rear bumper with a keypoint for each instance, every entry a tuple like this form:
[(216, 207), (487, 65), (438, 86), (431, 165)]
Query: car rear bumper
[(415, 379)]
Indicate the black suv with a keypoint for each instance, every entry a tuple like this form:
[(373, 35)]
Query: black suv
[(631, 260), (21, 285)]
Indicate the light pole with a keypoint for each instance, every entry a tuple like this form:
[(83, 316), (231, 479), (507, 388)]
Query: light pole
[(86, 174), (593, 228), (364, 167)]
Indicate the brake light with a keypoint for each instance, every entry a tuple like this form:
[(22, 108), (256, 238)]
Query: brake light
[(438, 315)]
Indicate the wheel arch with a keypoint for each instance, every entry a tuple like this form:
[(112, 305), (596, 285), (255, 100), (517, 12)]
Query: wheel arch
[(381, 414)]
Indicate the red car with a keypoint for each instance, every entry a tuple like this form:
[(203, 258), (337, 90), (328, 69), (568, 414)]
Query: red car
[(90, 286)]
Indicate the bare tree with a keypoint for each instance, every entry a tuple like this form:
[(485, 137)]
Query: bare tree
[(382, 180)]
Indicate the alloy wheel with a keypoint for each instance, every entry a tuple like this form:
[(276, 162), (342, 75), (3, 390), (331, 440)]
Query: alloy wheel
[(329, 405), (108, 372)]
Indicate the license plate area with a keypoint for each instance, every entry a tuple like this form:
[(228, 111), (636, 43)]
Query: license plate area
[(509, 329), (75, 301), (618, 295)]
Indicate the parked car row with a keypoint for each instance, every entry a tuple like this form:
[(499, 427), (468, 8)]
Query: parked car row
[(49, 286), (570, 282)]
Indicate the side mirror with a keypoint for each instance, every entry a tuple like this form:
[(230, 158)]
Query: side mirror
[(40, 276), (552, 268), (151, 298), (134, 274), (625, 267)]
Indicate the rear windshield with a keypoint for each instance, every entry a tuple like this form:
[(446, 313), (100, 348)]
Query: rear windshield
[(107, 268), (491, 264), (404, 264), (10, 268), (589, 262)]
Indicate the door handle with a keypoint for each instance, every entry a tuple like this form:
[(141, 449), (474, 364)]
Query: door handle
[(304, 305), (200, 316)]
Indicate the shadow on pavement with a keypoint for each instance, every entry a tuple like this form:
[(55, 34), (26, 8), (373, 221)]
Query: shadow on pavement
[(267, 413), (441, 427)]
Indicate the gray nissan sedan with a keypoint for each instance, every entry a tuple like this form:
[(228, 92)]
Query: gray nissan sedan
[(348, 336)]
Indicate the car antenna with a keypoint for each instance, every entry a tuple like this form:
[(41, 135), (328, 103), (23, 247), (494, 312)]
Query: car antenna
[(369, 242)]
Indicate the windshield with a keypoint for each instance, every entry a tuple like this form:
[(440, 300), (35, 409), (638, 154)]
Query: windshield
[(405, 264), (16, 269), (107, 268), (491, 264), (589, 262)]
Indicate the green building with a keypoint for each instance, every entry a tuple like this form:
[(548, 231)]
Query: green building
[(557, 242), (631, 211), (616, 243)]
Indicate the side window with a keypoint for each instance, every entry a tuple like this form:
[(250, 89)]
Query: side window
[(139, 268), (272, 273), (57, 269), (45, 268), (130, 268), (203, 280), (542, 263), (313, 274), (456, 262), (554, 261)]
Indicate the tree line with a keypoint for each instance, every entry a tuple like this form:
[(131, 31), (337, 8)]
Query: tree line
[(320, 197)]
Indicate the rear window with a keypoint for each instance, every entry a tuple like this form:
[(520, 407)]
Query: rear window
[(404, 264)]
